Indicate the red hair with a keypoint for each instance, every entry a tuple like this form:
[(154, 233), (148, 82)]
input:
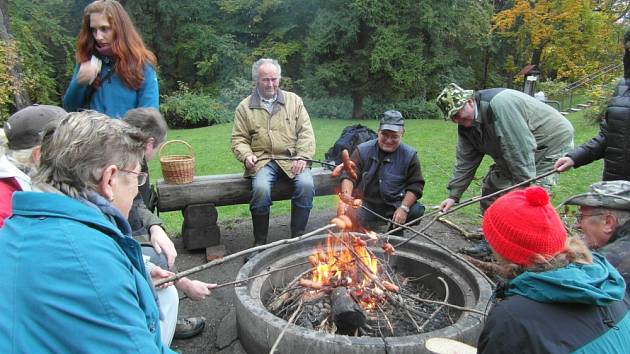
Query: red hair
[(128, 47)]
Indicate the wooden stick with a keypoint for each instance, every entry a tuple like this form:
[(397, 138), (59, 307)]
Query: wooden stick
[(293, 316), (241, 253), (445, 304), (446, 289), (467, 234)]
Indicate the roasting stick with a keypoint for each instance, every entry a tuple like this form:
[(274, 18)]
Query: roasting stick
[(468, 202), (241, 253), (245, 280)]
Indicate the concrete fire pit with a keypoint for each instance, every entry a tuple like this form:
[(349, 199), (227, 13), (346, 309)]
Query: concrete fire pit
[(258, 328)]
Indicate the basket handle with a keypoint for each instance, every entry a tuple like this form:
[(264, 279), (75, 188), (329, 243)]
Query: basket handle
[(192, 152)]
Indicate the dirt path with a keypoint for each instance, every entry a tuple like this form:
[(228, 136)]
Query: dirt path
[(220, 335)]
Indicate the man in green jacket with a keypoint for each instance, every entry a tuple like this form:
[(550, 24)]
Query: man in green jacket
[(272, 135), (523, 135)]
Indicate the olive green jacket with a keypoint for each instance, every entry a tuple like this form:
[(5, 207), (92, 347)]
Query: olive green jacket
[(523, 135), (286, 132)]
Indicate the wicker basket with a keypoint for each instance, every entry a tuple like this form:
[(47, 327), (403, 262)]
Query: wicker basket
[(177, 169)]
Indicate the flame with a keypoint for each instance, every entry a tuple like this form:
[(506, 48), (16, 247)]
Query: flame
[(344, 260)]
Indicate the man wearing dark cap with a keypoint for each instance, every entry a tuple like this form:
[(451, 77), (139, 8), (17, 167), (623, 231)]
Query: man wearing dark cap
[(523, 135), (604, 218), (23, 131), (389, 179)]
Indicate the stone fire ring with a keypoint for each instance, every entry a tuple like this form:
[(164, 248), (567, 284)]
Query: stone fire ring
[(258, 328)]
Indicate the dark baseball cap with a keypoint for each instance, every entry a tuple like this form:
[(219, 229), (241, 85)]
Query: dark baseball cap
[(25, 127), (392, 120)]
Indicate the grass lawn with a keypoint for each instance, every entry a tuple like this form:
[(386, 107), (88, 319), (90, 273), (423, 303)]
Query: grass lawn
[(434, 139)]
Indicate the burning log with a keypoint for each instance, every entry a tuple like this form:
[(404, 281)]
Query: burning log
[(347, 314)]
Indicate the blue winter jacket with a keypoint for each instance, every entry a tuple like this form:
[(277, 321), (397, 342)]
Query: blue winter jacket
[(575, 309), (113, 97), (72, 281)]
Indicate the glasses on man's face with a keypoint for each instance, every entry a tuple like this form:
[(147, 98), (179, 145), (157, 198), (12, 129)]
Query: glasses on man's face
[(579, 216), (142, 176)]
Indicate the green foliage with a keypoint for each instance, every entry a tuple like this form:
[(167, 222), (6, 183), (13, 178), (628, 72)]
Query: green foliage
[(553, 89), (42, 51), (187, 109), (415, 108), (329, 107)]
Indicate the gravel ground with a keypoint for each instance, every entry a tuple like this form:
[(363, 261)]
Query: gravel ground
[(220, 334)]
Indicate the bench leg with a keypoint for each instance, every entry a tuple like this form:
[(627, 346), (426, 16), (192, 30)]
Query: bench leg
[(200, 229)]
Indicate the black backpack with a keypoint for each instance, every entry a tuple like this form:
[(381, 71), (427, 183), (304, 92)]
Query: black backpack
[(350, 138)]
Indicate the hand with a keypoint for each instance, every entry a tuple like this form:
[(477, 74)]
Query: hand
[(250, 162), (162, 243), (564, 164), (87, 73), (400, 216), (195, 289), (446, 204), (158, 274), (298, 166)]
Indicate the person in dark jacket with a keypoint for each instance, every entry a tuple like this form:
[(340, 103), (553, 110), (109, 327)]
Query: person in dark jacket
[(614, 131), (604, 219), (558, 296), (146, 226), (389, 179)]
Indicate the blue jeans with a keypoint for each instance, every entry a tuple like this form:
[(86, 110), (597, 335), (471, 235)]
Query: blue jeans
[(266, 177)]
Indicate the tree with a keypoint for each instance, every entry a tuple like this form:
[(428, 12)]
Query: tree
[(567, 37), (392, 49)]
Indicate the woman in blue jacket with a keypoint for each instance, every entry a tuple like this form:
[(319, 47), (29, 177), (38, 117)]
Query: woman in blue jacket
[(558, 297), (115, 70), (74, 279)]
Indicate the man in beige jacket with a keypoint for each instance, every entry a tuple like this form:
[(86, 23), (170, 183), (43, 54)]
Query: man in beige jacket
[(272, 131)]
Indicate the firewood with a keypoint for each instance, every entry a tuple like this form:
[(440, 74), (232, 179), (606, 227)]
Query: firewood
[(347, 314)]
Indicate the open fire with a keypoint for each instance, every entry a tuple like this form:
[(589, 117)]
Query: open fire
[(349, 290)]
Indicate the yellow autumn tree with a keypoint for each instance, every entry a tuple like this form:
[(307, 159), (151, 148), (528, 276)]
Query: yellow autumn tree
[(565, 38)]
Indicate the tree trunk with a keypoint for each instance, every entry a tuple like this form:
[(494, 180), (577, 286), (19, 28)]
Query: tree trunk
[(15, 70), (357, 106)]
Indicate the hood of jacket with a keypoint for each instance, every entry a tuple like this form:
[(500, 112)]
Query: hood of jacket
[(597, 284), (9, 170)]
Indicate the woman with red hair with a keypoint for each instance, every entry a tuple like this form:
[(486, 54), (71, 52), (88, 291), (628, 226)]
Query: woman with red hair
[(115, 70)]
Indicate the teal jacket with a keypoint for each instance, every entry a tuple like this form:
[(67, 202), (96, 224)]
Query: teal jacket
[(575, 309), (113, 98), (73, 282)]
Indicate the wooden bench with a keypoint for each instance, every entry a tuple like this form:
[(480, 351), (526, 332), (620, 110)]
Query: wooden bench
[(198, 201)]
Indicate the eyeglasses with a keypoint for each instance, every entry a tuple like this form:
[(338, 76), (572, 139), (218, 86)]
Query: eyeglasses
[(580, 216), (142, 176)]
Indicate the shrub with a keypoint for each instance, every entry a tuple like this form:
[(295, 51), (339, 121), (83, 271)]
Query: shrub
[(415, 108), (329, 107), (187, 109)]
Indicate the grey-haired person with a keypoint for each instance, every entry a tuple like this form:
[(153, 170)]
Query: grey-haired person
[(23, 132), (523, 136), (75, 280), (604, 219), (149, 229)]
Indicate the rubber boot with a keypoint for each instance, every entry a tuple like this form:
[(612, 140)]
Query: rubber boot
[(299, 219), (260, 225), (480, 250)]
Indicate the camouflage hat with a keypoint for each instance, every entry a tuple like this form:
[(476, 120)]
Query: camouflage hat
[(607, 194), (452, 99)]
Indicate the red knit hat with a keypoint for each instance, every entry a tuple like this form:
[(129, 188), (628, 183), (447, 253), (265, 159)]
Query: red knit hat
[(523, 223)]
